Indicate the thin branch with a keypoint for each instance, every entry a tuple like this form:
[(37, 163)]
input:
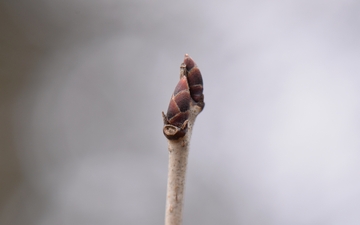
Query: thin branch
[(185, 104)]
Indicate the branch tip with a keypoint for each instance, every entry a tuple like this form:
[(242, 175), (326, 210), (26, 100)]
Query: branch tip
[(186, 102)]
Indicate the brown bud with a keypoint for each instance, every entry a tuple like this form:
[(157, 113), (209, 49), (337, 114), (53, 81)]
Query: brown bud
[(189, 90), (178, 111)]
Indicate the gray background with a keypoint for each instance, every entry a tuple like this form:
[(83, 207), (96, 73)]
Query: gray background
[(83, 84)]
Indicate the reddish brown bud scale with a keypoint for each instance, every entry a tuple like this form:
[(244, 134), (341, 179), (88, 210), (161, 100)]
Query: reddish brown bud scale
[(182, 100), (182, 85), (195, 81), (173, 109), (188, 91), (196, 93), (194, 77), (179, 119), (189, 62)]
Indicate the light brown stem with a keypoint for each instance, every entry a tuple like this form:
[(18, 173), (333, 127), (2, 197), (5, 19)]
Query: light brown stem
[(178, 154)]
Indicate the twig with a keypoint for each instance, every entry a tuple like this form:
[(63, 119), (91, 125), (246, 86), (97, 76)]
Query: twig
[(185, 104)]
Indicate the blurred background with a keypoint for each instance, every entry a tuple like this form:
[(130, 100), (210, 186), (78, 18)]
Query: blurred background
[(83, 84)]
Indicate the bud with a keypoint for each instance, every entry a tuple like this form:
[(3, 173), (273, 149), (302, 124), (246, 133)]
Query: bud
[(188, 92)]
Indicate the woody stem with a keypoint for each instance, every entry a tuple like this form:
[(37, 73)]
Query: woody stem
[(178, 154)]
